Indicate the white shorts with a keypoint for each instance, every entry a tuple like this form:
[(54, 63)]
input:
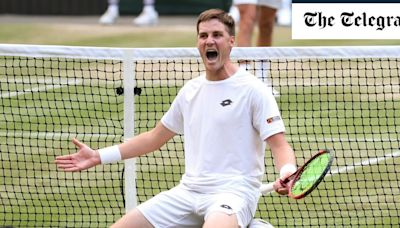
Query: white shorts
[(276, 4), (180, 207)]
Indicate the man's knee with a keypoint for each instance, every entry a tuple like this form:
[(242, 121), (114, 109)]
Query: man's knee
[(221, 219), (133, 219)]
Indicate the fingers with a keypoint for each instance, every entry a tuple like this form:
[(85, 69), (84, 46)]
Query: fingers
[(78, 161), (67, 164), (62, 158), (281, 187), (77, 143), (63, 161), (282, 190), (69, 168)]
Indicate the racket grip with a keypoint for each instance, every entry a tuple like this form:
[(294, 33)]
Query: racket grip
[(267, 188)]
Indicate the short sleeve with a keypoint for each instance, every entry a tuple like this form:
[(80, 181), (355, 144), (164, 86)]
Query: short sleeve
[(173, 118), (266, 115)]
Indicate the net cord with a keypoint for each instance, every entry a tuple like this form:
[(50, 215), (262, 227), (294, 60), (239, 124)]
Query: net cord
[(254, 53)]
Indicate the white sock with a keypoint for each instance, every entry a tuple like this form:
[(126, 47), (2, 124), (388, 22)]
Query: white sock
[(149, 8), (113, 8)]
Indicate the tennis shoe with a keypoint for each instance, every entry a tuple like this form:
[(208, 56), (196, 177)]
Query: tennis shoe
[(147, 17), (110, 16), (284, 17)]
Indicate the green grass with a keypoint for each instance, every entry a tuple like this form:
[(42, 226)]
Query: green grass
[(95, 35), (43, 196)]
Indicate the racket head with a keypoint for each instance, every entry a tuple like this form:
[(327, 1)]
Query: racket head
[(310, 174)]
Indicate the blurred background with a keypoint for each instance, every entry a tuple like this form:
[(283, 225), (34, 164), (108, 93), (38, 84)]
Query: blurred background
[(76, 22), (97, 7)]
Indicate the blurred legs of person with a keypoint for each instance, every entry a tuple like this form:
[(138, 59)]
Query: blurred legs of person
[(234, 12), (148, 16), (260, 12), (266, 24), (248, 17), (284, 17), (111, 14)]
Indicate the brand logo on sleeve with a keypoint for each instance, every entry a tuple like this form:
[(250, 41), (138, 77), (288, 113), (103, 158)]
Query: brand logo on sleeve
[(273, 119)]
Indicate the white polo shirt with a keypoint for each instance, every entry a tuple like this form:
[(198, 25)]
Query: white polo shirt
[(224, 124)]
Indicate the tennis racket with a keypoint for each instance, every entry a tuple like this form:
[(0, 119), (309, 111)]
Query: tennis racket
[(306, 178)]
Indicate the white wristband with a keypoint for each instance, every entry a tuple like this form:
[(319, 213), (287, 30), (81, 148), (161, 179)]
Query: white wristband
[(110, 154), (288, 168)]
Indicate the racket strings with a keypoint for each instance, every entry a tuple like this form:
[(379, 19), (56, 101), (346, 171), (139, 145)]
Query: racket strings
[(311, 175)]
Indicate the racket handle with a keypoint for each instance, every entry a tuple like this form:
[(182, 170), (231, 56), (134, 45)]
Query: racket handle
[(267, 188)]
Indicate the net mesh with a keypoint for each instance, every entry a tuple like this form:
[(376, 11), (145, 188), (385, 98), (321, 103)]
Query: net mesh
[(347, 104), (44, 102)]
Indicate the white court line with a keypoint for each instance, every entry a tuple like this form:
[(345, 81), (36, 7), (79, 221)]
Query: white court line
[(39, 89), (48, 135), (63, 81), (53, 135), (328, 139), (34, 80), (371, 161)]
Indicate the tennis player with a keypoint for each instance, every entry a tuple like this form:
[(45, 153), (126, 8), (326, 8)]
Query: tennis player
[(226, 116)]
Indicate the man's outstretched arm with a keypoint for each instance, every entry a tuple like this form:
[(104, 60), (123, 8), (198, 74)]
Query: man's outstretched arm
[(87, 157)]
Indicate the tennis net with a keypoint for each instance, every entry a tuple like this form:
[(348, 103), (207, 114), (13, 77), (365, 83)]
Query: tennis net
[(342, 98)]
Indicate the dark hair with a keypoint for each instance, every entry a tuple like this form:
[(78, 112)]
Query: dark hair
[(221, 16)]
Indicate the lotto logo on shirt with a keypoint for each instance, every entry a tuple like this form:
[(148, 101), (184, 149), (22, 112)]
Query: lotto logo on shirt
[(345, 19), (273, 119)]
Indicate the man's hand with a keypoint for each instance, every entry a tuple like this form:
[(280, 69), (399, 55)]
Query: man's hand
[(281, 187), (84, 158)]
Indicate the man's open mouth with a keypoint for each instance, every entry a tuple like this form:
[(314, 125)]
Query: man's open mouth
[(211, 54)]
